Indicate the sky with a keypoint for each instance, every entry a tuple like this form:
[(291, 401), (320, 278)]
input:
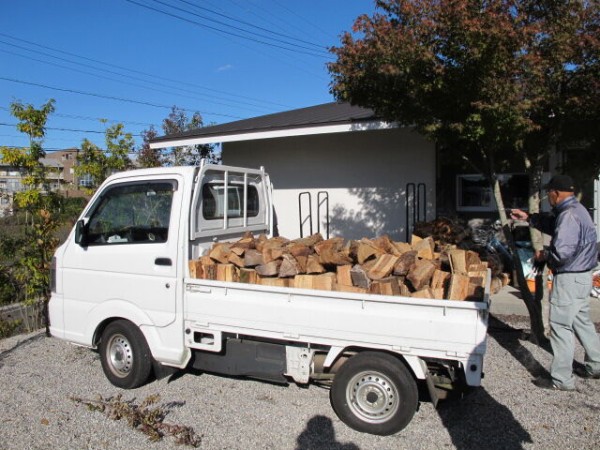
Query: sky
[(130, 61)]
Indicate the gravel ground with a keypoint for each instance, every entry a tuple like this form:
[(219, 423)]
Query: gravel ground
[(38, 375)]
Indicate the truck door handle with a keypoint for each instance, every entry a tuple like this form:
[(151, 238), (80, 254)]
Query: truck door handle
[(163, 262)]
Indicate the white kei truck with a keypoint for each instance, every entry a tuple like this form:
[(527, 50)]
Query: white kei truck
[(121, 284)]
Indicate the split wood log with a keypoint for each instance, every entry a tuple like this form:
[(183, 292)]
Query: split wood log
[(458, 261), (297, 249), (420, 273), (344, 277), (248, 276), (253, 258), (423, 293), (425, 248), (195, 267), (271, 253), (270, 269), (385, 244), (309, 241), (385, 286), (359, 277), (246, 242), (220, 253), (236, 259), (404, 290), (383, 267), (366, 250), (325, 281), (402, 247), (440, 279), (459, 287), (302, 262), (275, 282), (227, 272), (438, 293), (472, 259), (405, 262), (353, 289), (313, 265), (334, 244), (289, 267), (205, 268)]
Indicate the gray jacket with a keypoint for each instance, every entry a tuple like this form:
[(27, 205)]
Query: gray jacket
[(573, 246)]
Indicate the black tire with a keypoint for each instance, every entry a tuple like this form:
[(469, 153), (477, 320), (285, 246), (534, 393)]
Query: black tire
[(125, 356), (374, 393)]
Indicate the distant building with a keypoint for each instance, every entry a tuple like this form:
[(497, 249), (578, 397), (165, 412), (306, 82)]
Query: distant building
[(59, 171)]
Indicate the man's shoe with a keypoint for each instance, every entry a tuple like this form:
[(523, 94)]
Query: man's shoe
[(583, 372), (546, 383)]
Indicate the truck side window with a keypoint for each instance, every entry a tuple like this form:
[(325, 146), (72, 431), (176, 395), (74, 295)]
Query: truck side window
[(132, 213), (213, 201)]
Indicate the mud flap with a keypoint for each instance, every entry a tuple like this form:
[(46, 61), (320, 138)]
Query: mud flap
[(432, 390)]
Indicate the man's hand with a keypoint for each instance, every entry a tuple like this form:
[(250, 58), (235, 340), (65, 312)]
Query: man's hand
[(518, 214)]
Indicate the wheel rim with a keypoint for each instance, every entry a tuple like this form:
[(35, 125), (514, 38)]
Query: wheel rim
[(120, 355), (372, 397)]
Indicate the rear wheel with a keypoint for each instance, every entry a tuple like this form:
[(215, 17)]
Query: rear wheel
[(374, 393), (125, 356)]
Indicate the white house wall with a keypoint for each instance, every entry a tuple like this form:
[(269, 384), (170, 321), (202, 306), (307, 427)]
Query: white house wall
[(365, 174)]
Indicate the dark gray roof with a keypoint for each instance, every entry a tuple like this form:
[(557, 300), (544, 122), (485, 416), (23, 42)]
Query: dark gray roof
[(320, 115)]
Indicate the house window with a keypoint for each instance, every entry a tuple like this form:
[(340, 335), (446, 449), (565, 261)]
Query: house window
[(473, 192), (86, 180)]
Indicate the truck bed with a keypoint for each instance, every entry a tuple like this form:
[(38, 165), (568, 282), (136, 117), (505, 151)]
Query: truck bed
[(426, 328)]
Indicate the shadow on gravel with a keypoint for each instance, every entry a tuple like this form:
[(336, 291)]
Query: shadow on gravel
[(479, 421), (6, 353), (510, 339), (319, 434)]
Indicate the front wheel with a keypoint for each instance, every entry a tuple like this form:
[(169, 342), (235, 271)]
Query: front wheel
[(374, 393), (125, 356)]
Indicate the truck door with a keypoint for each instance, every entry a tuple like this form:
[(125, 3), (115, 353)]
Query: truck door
[(129, 258)]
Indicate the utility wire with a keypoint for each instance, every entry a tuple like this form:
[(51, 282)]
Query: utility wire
[(152, 76), (286, 36), (154, 89), (109, 97), (96, 119), (306, 52), (3, 124), (321, 50)]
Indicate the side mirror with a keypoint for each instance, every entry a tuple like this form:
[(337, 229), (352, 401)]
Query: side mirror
[(81, 233)]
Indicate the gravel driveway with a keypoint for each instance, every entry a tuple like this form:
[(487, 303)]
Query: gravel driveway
[(38, 375)]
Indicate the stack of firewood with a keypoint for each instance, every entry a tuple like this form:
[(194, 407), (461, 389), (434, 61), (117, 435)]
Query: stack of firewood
[(376, 266)]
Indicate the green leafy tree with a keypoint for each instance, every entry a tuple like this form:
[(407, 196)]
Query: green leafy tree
[(32, 122), (178, 122), (32, 258), (487, 80), (98, 164)]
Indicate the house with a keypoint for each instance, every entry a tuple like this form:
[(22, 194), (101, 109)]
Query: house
[(336, 169), (339, 170)]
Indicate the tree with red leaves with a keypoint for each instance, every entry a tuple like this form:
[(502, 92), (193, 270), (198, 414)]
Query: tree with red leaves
[(486, 80)]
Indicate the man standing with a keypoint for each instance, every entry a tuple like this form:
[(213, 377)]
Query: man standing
[(571, 256)]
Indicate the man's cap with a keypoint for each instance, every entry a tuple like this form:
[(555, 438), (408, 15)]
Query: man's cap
[(563, 183)]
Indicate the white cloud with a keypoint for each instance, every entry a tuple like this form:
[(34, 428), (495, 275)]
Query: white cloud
[(224, 68)]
